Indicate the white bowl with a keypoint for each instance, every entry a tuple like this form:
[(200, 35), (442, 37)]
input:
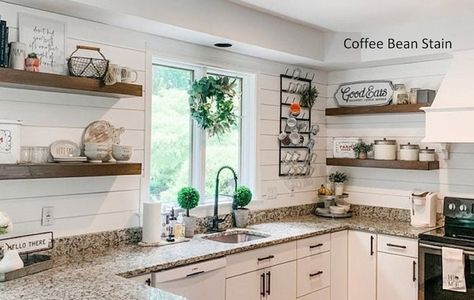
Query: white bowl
[(122, 152), (346, 207), (97, 156), (336, 210), (97, 147)]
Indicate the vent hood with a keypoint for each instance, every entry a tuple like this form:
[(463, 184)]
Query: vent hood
[(450, 119)]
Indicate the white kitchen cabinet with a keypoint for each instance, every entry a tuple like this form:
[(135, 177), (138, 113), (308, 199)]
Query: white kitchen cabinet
[(396, 277), (143, 279), (272, 283), (339, 265), (362, 266), (313, 273), (324, 294)]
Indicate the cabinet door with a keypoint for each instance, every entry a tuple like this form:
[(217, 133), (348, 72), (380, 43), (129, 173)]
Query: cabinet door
[(396, 277), (282, 280), (362, 266), (323, 294), (339, 265), (247, 286)]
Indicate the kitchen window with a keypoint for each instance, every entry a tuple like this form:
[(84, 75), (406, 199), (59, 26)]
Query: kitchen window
[(184, 155)]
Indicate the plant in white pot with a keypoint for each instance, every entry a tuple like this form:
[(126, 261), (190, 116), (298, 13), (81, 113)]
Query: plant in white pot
[(242, 198), (11, 260), (188, 198), (361, 149), (338, 178)]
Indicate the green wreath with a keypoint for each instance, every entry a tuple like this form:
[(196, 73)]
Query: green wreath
[(210, 100)]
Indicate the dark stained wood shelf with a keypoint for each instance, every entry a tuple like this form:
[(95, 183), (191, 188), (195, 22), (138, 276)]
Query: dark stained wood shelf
[(60, 170), (388, 164), (388, 109), (67, 84)]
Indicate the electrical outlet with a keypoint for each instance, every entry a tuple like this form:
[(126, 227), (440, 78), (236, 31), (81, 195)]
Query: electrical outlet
[(272, 192), (47, 216)]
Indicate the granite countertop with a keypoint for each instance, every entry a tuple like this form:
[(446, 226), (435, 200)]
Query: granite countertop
[(95, 277)]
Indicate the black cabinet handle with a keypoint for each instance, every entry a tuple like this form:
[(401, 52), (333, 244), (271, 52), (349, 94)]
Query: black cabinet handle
[(414, 271), (315, 274), (148, 282), (396, 246), (371, 245), (315, 246), (265, 258), (262, 284), (268, 282), (196, 273)]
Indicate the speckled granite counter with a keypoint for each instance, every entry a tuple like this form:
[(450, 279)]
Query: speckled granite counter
[(95, 277)]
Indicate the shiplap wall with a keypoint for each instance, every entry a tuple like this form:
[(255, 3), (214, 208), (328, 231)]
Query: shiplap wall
[(391, 188), (83, 205)]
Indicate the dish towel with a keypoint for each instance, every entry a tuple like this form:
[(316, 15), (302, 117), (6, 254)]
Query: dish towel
[(453, 270)]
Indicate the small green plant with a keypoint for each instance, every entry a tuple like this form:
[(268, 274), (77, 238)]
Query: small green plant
[(5, 223), (308, 97), (188, 198), (362, 147), (32, 55), (242, 197), (338, 177)]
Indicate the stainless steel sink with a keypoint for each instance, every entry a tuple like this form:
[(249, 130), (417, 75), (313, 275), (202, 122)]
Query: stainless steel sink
[(235, 236)]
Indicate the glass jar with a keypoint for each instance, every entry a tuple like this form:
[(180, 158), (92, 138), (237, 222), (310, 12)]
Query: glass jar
[(26, 154), (40, 155), (409, 152), (400, 95), (427, 154), (414, 95), (385, 149)]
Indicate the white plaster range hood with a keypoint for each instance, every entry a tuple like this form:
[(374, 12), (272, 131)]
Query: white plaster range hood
[(450, 119)]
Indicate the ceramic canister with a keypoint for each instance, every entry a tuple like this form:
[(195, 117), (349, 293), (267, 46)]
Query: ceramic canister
[(409, 152), (385, 149), (427, 154), (17, 55)]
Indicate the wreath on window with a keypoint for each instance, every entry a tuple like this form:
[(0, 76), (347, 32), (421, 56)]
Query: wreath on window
[(210, 100)]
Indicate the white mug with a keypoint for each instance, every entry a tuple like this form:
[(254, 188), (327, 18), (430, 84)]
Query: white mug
[(114, 74), (127, 74), (17, 55)]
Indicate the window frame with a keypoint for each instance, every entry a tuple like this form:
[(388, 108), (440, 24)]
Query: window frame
[(247, 127)]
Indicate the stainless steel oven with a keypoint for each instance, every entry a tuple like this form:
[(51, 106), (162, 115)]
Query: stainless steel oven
[(430, 272)]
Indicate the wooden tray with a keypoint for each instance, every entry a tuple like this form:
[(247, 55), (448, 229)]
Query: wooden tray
[(335, 216), (33, 264)]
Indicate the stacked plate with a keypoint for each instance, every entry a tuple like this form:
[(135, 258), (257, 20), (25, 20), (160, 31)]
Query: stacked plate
[(66, 152)]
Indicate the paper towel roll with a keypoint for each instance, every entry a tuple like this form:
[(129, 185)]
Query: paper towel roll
[(151, 222)]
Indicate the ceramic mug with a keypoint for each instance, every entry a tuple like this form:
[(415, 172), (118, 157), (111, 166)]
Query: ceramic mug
[(295, 138), (17, 55), (127, 74), (284, 138), (114, 74)]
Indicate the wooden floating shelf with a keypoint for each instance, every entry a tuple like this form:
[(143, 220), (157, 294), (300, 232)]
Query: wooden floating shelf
[(388, 109), (66, 84), (388, 164), (60, 170)]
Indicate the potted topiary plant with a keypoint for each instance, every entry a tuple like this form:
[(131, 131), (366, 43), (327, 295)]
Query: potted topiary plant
[(188, 198), (338, 179), (242, 198), (361, 149)]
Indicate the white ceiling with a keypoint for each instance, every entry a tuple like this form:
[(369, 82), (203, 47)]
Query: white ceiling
[(364, 15)]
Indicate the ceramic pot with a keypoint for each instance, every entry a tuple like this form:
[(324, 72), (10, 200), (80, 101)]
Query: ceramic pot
[(339, 188), (189, 226), (17, 55), (363, 155), (32, 64), (241, 217)]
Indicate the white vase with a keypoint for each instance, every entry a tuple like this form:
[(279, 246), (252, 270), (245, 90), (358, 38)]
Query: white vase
[(11, 261), (17, 56), (189, 226), (339, 188), (241, 216)]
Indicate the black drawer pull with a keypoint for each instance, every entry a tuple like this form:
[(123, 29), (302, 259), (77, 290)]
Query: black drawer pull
[(396, 246), (316, 246), (194, 274), (414, 271), (265, 258), (262, 284), (371, 245), (315, 274)]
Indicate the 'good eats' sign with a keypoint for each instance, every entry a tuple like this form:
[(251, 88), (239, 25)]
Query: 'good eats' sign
[(364, 93)]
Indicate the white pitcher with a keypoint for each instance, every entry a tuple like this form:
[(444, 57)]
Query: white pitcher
[(17, 55)]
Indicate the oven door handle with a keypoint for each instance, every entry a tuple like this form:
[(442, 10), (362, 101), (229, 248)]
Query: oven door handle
[(453, 246)]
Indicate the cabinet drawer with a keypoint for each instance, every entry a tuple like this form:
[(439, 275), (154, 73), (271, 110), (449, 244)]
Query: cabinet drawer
[(319, 295), (260, 258), (397, 245), (313, 245), (313, 273)]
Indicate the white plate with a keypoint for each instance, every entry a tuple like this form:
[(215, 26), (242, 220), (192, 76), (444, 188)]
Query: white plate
[(71, 159), (64, 149)]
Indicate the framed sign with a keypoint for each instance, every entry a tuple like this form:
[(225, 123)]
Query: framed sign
[(27, 243), (364, 93), (46, 38), (342, 147)]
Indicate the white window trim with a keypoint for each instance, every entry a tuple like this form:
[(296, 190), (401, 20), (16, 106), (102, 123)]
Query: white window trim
[(247, 174)]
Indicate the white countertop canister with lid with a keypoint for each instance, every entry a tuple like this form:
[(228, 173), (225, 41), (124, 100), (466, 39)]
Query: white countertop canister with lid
[(427, 154), (385, 149), (409, 152)]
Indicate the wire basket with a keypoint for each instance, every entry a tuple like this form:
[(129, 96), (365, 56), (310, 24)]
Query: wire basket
[(80, 66)]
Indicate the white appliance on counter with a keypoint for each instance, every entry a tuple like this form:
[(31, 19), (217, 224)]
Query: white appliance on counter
[(423, 209), (201, 281)]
